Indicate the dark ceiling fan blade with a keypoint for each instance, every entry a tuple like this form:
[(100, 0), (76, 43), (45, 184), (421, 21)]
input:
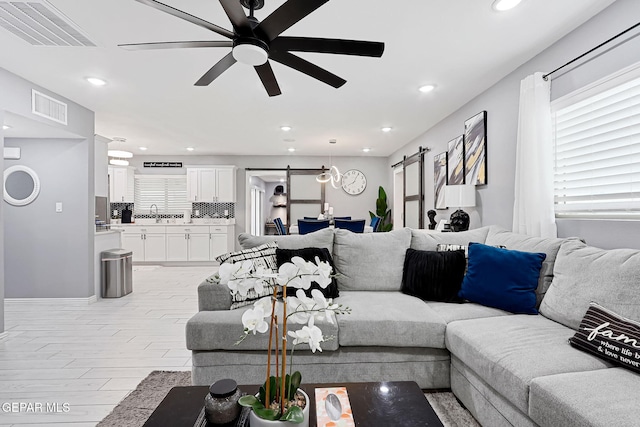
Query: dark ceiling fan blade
[(176, 45), (236, 15), (286, 15), (306, 67), (265, 72), (336, 46), (215, 71), (188, 17)]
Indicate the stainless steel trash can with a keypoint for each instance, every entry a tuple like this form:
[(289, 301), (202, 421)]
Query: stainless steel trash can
[(117, 278)]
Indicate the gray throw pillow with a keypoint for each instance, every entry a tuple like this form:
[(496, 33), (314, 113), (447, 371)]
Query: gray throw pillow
[(318, 239), (370, 261), (584, 274)]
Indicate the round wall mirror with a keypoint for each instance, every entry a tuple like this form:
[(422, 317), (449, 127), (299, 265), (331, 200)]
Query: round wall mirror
[(21, 185)]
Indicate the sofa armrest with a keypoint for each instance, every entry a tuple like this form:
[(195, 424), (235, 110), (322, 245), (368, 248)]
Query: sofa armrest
[(213, 296)]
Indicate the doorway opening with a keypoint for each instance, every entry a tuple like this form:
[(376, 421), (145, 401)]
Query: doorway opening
[(266, 200)]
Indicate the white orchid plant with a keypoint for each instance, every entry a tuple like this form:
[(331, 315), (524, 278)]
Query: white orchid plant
[(278, 391)]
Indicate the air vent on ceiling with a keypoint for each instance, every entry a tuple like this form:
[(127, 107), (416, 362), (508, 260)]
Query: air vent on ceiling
[(45, 106), (41, 24)]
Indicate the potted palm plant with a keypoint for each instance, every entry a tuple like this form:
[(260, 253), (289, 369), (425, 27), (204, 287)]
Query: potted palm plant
[(280, 401)]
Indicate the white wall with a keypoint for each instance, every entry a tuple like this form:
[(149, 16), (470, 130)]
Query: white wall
[(50, 254), (1, 232), (101, 166), (495, 200)]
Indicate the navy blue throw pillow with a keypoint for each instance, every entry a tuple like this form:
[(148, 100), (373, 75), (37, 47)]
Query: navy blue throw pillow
[(502, 278)]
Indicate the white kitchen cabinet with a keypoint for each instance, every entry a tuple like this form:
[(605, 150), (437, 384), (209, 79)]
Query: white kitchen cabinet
[(147, 243), (211, 184), (188, 243), (222, 239), (121, 184), (177, 248)]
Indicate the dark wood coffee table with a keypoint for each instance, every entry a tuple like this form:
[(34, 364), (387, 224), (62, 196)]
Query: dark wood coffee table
[(386, 404)]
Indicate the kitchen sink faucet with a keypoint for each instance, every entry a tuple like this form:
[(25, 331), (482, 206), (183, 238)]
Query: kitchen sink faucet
[(151, 211)]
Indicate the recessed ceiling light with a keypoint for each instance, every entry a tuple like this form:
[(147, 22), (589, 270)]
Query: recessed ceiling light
[(291, 149), (502, 5), (96, 81), (285, 128), (190, 148), (5, 127), (366, 149), (426, 88), (386, 129), (143, 148)]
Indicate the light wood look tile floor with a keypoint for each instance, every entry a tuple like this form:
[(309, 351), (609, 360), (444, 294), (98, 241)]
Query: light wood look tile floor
[(91, 356)]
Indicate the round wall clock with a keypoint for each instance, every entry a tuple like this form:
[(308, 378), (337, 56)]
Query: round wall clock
[(354, 182)]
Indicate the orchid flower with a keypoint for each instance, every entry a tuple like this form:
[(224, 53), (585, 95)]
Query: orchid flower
[(253, 320), (310, 334)]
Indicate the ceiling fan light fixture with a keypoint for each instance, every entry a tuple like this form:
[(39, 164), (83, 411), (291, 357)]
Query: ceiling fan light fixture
[(502, 5), (250, 52), (120, 153)]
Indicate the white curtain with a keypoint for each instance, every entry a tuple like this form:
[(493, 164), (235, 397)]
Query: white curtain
[(533, 212)]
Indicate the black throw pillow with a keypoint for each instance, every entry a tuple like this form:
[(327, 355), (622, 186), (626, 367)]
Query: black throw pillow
[(310, 254), (433, 276)]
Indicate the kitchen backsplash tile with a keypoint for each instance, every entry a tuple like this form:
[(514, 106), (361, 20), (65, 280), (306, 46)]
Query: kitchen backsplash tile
[(198, 210)]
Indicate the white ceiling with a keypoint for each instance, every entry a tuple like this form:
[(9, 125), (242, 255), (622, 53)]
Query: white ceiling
[(462, 46)]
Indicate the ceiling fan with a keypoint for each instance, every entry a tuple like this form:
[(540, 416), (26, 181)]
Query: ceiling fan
[(254, 42)]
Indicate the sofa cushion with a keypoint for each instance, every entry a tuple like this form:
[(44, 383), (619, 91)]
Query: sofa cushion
[(389, 319), (583, 274), (522, 242), (428, 241), (318, 239), (220, 330), (602, 398), (502, 278), (370, 261), (261, 256), (310, 254), (433, 276), (507, 352), (607, 335), (451, 312)]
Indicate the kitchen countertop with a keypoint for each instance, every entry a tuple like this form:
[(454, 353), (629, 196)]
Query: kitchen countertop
[(179, 222)]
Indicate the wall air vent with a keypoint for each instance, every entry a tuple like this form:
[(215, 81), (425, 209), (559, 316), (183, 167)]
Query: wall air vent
[(45, 106), (41, 24)]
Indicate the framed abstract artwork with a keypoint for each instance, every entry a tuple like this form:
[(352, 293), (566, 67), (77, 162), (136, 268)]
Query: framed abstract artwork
[(475, 149), (439, 179), (455, 161)]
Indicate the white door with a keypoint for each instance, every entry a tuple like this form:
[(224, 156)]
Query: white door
[(155, 246), (192, 185), (218, 245), (134, 242), (257, 211), (398, 200), (177, 247), (226, 190), (207, 183), (198, 247)]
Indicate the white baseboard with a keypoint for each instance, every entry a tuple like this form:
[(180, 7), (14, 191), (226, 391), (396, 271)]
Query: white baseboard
[(63, 301), (4, 335)]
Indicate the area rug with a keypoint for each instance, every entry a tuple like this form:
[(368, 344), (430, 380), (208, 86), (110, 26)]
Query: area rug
[(134, 409)]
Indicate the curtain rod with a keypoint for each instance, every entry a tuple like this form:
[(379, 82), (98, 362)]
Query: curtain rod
[(404, 159), (546, 76)]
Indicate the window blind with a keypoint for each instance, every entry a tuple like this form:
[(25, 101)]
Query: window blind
[(597, 149), (168, 192)]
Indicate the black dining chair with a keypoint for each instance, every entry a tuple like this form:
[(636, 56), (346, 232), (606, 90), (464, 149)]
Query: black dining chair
[(354, 225), (342, 217), (309, 226), (280, 228)]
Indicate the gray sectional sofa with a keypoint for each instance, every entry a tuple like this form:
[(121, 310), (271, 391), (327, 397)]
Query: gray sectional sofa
[(507, 369)]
